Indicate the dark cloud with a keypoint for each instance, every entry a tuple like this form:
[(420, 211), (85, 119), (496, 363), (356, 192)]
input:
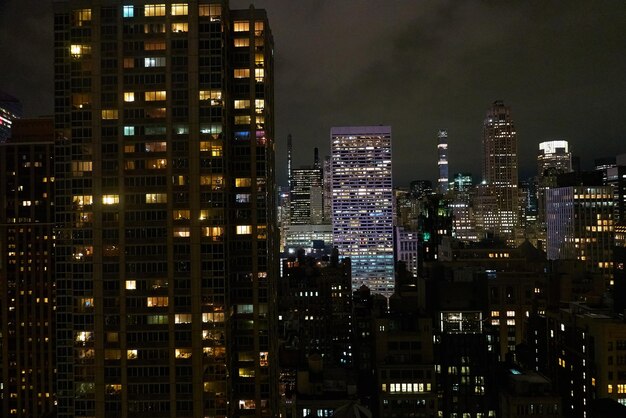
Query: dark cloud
[(417, 65)]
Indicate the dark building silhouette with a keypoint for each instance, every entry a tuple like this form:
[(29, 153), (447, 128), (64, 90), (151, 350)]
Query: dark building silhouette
[(27, 289)]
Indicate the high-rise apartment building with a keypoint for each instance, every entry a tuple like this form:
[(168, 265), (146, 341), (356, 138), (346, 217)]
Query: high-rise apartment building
[(442, 162), (363, 203), (166, 253), (27, 291), (501, 196)]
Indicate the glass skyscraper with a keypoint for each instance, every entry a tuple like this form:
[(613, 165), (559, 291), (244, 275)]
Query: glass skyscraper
[(362, 204)]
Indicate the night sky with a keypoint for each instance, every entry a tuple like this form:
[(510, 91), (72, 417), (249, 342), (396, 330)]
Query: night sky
[(416, 65)]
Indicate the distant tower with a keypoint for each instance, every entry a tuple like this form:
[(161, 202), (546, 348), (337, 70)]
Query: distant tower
[(363, 204), (289, 160), (442, 147), (316, 158), (10, 109)]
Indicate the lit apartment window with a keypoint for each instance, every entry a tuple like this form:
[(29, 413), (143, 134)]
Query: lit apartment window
[(183, 353), (160, 146), (213, 231), (129, 130), (81, 16), (129, 96), (242, 104), (154, 62), (156, 197), (131, 284), (179, 214), (78, 50), (259, 74), (157, 319), (241, 72), (156, 164), (211, 317), (241, 26), (212, 10), (151, 96), (244, 229), (182, 318), (258, 28), (154, 10), (242, 119), (263, 358), (129, 63), (109, 114), (259, 104), (241, 42), (181, 232), (128, 11), (243, 182), (179, 9), (82, 200), (156, 113), (157, 301), (110, 199), (154, 45), (131, 354), (510, 314), (180, 27)]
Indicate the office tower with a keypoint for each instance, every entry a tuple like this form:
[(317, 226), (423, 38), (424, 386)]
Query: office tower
[(554, 158), (27, 293), (289, 159), (603, 165), (328, 196), (166, 200), (442, 163), (407, 248), (463, 182), (363, 203), (579, 215), (306, 195), (616, 178), (499, 198), (10, 109)]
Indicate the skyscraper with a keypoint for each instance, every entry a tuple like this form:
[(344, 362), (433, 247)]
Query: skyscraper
[(499, 195), (442, 150), (27, 291), (166, 254), (306, 194), (362, 200), (553, 159), (10, 109)]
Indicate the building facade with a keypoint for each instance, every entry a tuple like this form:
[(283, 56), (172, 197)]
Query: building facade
[(27, 291), (166, 252), (362, 203), (442, 163)]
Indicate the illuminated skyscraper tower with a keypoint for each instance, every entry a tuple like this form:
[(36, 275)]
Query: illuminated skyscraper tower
[(362, 201), (165, 209), (497, 200), (442, 149)]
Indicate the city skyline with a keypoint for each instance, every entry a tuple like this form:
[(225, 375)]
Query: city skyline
[(558, 66)]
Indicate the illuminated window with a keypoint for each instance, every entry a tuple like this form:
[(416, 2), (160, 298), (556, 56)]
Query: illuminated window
[(81, 16), (154, 10), (131, 285), (83, 336), (213, 231), (156, 197), (182, 318), (241, 42), (183, 353), (181, 232), (510, 314), (157, 301), (160, 146), (131, 354), (82, 200), (247, 403), (179, 9), (259, 104), (510, 321), (243, 182), (156, 164), (156, 112), (242, 198), (212, 10), (242, 104), (180, 27), (241, 72), (179, 214), (244, 229), (154, 62), (109, 114), (263, 358), (157, 319), (241, 26), (211, 317), (259, 74), (154, 45), (151, 96), (78, 51), (110, 199), (112, 354), (258, 28), (129, 96), (129, 130), (242, 119), (81, 166), (129, 63), (128, 11)]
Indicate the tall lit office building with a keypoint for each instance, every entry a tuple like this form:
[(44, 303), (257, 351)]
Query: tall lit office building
[(579, 214), (500, 173), (554, 158), (442, 162), (363, 203), (166, 254), (306, 195), (27, 296)]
